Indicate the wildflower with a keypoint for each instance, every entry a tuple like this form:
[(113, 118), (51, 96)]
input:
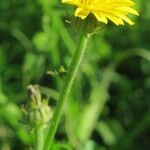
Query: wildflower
[(104, 10)]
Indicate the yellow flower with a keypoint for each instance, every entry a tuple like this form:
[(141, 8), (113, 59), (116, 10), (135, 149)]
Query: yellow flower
[(104, 10)]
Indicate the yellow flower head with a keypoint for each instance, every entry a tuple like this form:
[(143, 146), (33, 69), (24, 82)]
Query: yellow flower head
[(114, 10)]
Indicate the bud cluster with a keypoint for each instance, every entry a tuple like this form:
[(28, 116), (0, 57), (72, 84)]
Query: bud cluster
[(37, 112)]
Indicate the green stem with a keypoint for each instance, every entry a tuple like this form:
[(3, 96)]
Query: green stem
[(40, 138), (75, 63)]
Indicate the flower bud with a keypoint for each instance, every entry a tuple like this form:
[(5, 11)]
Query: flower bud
[(37, 111)]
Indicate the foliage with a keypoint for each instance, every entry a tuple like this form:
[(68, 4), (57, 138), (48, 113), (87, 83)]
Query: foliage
[(108, 108)]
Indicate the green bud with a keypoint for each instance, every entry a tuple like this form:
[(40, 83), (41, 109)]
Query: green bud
[(87, 26), (35, 118), (37, 111)]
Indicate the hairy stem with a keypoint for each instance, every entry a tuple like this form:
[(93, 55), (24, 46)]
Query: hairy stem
[(40, 138), (73, 68)]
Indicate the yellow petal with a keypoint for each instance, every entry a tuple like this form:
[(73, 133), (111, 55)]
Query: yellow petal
[(129, 10), (67, 1), (71, 2), (100, 17), (82, 13), (104, 10), (126, 19)]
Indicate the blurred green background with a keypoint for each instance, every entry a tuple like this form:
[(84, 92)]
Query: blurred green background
[(109, 106)]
